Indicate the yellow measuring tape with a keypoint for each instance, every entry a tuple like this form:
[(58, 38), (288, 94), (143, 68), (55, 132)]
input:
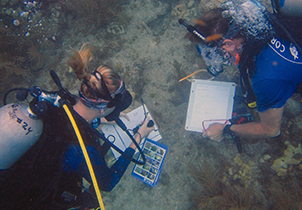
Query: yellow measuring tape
[(87, 159)]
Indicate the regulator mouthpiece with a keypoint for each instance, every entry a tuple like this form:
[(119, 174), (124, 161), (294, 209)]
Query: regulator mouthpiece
[(215, 71), (213, 57)]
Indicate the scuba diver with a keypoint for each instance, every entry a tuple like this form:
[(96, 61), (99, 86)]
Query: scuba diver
[(52, 173), (268, 58)]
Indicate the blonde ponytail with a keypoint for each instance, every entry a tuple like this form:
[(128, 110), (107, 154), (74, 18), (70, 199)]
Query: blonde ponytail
[(78, 61)]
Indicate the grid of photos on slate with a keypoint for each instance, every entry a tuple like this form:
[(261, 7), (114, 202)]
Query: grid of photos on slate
[(154, 157)]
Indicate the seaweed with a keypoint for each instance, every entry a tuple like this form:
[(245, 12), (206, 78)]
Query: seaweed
[(12, 74), (214, 194), (35, 58), (283, 196)]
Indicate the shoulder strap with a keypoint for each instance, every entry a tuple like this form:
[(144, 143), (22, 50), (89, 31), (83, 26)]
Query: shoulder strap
[(246, 67), (288, 27)]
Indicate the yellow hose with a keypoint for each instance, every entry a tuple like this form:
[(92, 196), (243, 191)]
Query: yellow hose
[(87, 159)]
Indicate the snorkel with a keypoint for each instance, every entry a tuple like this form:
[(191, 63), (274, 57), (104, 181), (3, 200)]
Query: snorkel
[(212, 55), (191, 29)]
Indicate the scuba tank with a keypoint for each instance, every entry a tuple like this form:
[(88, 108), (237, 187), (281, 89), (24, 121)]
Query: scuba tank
[(292, 8), (26, 127), (21, 126)]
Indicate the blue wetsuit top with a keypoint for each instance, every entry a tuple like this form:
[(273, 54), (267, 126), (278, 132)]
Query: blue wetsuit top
[(107, 178), (277, 73)]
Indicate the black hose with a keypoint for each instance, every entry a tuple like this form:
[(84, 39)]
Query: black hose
[(120, 123), (11, 90), (109, 143)]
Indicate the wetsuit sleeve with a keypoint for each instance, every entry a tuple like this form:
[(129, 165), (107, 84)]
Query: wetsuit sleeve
[(107, 177), (122, 163), (273, 93)]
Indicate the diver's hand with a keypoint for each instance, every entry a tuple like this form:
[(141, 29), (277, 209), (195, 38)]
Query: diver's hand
[(142, 132), (214, 132)]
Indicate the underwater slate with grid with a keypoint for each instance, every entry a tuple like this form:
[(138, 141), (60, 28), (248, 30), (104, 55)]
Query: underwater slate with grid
[(155, 154)]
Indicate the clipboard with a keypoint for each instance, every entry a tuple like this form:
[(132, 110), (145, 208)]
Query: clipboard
[(210, 102), (121, 139)]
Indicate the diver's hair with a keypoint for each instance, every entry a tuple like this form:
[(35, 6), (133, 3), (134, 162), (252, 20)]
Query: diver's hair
[(215, 23), (79, 60)]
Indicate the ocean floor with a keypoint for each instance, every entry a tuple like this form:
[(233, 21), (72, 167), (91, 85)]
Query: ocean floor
[(147, 47)]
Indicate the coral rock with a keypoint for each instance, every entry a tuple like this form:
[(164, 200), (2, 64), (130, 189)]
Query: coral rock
[(281, 164)]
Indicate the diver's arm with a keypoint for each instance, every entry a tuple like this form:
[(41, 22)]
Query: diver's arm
[(120, 166), (268, 127)]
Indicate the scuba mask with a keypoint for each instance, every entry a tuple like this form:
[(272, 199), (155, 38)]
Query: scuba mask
[(212, 52), (248, 18), (214, 56)]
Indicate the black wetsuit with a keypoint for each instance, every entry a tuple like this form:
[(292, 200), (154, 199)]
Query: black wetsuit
[(55, 165)]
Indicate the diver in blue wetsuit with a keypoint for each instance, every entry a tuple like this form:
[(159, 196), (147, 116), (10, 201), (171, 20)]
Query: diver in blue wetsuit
[(244, 34), (277, 73), (50, 174)]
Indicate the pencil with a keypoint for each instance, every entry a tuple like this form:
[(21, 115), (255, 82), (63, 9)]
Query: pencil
[(190, 75)]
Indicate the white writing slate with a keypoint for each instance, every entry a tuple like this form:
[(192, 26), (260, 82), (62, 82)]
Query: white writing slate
[(210, 102), (121, 139)]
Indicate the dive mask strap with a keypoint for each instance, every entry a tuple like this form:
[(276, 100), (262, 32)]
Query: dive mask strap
[(112, 100), (90, 89), (107, 95)]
